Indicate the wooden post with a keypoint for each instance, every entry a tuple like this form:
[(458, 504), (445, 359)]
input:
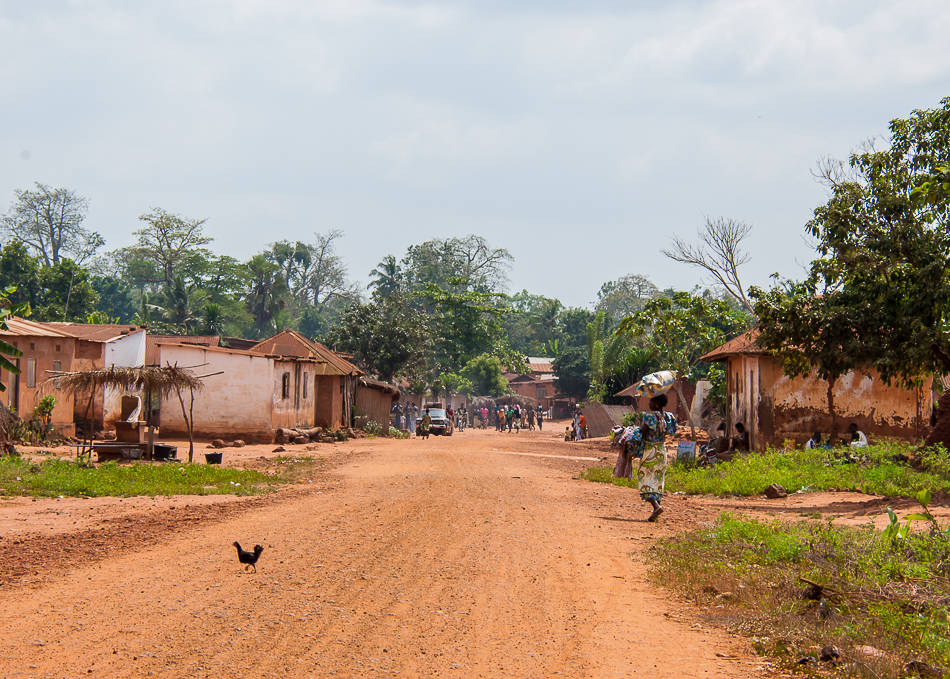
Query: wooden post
[(150, 446)]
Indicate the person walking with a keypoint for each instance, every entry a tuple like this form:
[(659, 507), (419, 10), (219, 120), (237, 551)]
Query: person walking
[(425, 424), (647, 441), (530, 419), (540, 418), (412, 412)]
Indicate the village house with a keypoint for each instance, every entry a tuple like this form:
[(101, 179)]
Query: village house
[(775, 407), (374, 401), (538, 383), (53, 347), (284, 381), (680, 409)]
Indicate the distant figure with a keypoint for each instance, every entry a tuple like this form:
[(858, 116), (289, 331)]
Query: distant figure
[(569, 433), (858, 438), (531, 416), (412, 414), (582, 421), (814, 441), (424, 425), (540, 417)]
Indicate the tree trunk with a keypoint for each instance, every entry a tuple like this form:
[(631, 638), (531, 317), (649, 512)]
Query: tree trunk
[(682, 401)]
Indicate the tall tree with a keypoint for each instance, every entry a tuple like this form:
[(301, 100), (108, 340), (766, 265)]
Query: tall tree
[(720, 252), (386, 277), (879, 290), (168, 246), (387, 337), (50, 222), (449, 263), (625, 296)]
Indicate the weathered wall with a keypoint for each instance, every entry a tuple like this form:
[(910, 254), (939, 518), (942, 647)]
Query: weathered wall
[(375, 404), (47, 352), (298, 408), (235, 404), (330, 401), (775, 407), (601, 419)]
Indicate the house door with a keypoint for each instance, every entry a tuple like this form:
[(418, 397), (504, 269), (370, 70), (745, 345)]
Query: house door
[(14, 399)]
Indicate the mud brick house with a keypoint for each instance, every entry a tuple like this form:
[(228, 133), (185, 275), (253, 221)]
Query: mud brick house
[(283, 381), (50, 347), (681, 409), (538, 383), (775, 407)]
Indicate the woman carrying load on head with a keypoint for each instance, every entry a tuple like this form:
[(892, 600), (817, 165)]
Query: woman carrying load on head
[(647, 441)]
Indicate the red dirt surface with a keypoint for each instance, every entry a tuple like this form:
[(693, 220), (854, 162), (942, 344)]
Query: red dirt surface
[(477, 555)]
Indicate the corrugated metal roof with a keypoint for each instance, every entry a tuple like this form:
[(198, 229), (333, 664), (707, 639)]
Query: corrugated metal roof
[(292, 343), (743, 344), (21, 327), (96, 332), (541, 364)]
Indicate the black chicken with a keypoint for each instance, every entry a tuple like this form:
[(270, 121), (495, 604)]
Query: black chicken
[(249, 559)]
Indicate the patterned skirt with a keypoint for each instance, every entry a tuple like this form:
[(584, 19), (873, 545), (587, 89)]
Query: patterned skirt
[(651, 476)]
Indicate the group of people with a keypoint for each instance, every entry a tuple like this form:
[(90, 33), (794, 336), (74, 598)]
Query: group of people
[(577, 430), (405, 416), (512, 417), (853, 438)]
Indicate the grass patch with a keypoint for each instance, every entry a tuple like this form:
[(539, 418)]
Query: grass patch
[(52, 478), (877, 470), (885, 601)]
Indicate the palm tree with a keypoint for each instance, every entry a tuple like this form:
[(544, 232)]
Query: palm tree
[(387, 277)]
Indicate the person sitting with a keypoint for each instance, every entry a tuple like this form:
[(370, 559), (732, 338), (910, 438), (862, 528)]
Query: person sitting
[(858, 438), (814, 441), (740, 442)]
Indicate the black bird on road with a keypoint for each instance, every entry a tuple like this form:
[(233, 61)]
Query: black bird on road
[(249, 559)]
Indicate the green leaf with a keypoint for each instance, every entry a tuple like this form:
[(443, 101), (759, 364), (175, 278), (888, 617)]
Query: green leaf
[(923, 497), (918, 517)]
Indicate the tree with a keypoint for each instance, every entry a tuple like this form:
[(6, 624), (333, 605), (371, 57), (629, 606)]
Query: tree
[(167, 247), (572, 369), (719, 252), (808, 331), (386, 277), (531, 324), (66, 293), (572, 327), (20, 273), (267, 295), (115, 297), (878, 293), (468, 262), (486, 375), (680, 329), (625, 296), (386, 337), (49, 221)]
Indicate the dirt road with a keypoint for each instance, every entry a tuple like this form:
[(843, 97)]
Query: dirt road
[(471, 556)]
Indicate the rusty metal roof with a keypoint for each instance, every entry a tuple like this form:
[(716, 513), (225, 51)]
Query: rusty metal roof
[(23, 328), (292, 344), (737, 346), (96, 332)]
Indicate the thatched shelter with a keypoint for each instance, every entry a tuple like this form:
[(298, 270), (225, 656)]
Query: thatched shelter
[(152, 380)]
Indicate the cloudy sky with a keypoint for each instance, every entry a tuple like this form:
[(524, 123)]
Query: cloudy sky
[(579, 135)]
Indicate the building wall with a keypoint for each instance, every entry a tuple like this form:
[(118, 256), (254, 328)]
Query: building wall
[(235, 404), (127, 352), (329, 407), (775, 407), (297, 409), (46, 353), (374, 404)]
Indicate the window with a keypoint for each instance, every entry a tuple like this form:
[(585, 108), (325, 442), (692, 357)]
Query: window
[(305, 378), (31, 372), (57, 365), (285, 386), (57, 348)]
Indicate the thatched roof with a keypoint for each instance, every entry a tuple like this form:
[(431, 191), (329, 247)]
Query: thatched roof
[(160, 380)]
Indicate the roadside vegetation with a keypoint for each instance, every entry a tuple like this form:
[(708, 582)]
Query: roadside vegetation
[(879, 599), (54, 477), (892, 469)]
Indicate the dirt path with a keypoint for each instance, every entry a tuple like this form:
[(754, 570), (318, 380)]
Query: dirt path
[(448, 557)]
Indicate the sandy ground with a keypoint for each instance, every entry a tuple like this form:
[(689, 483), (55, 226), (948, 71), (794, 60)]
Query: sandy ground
[(478, 555)]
